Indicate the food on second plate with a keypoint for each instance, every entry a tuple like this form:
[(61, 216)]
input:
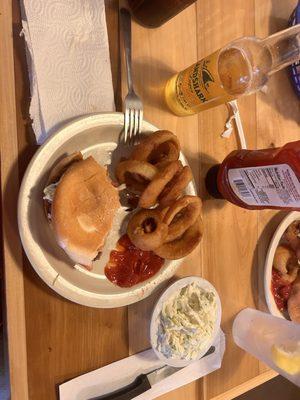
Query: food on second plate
[(286, 273), (129, 265), (286, 262), (281, 290), (172, 232), (80, 204), (292, 237), (186, 322), (294, 301), (154, 171)]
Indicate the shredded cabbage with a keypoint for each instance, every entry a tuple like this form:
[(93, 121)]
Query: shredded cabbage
[(186, 322), (49, 192)]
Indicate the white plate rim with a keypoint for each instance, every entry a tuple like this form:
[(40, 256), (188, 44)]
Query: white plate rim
[(49, 274), (291, 217), (174, 287)]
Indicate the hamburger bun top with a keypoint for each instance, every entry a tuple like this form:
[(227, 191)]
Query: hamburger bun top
[(61, 167), (82, 211)]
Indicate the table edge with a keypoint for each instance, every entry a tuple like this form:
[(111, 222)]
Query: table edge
[(246, 386), (13, 271)]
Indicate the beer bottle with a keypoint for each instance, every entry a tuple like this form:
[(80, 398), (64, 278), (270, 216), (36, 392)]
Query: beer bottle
[(240, 68)]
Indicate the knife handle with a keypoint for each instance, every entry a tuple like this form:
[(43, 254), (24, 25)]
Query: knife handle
[(138, 386)]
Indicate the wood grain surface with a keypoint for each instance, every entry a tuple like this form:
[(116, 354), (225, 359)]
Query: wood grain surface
[(231, 232), (63, 339), (12, 250), (233, 249), (52, 339)]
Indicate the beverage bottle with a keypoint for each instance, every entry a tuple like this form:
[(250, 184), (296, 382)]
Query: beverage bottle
[(258, 179), (240, 68)]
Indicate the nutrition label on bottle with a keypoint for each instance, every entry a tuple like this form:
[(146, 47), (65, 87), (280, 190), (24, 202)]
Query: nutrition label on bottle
[(270, 185)]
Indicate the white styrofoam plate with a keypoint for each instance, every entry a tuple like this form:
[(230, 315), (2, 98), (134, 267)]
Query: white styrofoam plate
[(96, 135), (291, 217), (175, 287)]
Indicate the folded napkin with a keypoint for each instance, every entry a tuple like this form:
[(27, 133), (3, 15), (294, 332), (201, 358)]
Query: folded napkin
[(68, 61), (121, 373)]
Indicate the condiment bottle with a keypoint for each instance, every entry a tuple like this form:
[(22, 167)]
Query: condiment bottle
[(154, 13), (259, 179), (240, 68)]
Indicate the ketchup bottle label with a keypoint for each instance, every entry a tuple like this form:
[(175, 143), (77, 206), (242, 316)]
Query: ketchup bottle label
[(270, 185)]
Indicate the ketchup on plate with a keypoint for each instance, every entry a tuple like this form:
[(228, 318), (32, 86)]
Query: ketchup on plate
[(129, 265), (259, 179)]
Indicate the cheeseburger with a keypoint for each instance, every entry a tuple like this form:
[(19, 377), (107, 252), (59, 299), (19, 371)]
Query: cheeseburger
[(80, 203)]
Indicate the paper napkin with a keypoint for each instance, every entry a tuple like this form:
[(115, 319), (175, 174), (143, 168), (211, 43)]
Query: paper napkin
[(68, 61), (121, 373)]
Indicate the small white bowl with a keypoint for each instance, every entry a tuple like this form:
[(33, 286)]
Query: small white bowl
[(291, 217), (175, 287)]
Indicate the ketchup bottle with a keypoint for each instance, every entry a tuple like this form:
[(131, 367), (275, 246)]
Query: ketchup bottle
[(258, 179)]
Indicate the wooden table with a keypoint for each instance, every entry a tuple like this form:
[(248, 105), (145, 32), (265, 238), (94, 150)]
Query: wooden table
[(51, 339)]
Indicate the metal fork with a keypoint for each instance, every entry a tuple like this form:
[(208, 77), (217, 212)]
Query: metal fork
[(133, 115)]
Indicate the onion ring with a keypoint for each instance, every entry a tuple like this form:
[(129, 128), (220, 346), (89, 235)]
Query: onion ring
[(146, 229), (294, 301), (292, 236), (162, 210), (183, 246), (291, 276), (150, 147), (181, 215), (135, 184), (141, 168), (166, 151), (163, 164), (150, 194), (176, 186)]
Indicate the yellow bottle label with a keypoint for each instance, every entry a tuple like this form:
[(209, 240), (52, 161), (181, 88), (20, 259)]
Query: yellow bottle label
[(198, 87)]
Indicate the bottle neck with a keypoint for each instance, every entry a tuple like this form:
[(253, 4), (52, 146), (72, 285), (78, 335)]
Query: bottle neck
[(211, 182), (284, 48)]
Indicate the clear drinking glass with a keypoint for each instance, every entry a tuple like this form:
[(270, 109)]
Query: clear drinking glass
[(260, 334)]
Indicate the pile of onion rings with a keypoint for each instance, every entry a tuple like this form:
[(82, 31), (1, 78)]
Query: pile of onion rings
[(171, 232), (154, 171)]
